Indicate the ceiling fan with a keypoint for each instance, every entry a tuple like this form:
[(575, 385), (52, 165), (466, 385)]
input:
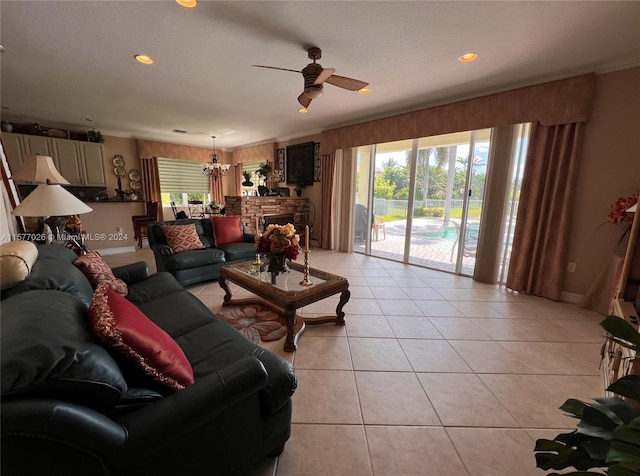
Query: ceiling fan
[(315, 75)]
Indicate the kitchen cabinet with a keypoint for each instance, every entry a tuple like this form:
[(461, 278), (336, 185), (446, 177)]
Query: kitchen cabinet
[(81, 163), (14, 149)]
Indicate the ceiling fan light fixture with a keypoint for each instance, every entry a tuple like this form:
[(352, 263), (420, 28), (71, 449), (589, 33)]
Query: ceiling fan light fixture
[(364, 91), (187, 3), (314, 92), (303, 110), (144, 59), (468, 57)]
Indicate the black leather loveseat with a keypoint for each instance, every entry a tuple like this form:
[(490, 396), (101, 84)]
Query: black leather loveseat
[(70, 406), (193, 266)]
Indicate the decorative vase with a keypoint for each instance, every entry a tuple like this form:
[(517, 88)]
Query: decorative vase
[(262, 190), (277, 264)]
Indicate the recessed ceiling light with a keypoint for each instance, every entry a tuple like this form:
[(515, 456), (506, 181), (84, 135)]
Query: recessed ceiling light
[(1, 49), (364, 91), (144, 59), (187, 3), (303, 110), (86, 119), (468, 57)]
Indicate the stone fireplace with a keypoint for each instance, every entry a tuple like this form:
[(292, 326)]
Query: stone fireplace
[(270, 209)]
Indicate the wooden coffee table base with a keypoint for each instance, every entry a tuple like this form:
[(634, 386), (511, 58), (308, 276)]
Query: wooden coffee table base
[(296, 324), (286, 305)]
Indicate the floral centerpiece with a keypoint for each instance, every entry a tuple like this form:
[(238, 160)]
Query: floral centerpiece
[(279, 240)]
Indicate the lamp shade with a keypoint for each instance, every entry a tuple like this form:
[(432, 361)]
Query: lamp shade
[(50, 200), (39, 169)]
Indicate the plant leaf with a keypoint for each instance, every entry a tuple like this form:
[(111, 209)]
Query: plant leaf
[(625, 445), (624, 411), (574, 407), (621, 329), (621, 471), (627, 386)]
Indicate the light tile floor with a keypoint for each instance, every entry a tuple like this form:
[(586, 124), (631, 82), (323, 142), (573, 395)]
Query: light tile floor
[(433, 374)]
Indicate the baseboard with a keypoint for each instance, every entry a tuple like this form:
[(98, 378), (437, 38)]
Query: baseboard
[(573, 298), (117, 251)]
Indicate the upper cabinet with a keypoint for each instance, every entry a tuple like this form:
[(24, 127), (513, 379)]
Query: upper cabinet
[(93, 162), (81, 163)]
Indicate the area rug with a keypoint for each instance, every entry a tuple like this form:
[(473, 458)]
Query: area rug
[(255, 322)]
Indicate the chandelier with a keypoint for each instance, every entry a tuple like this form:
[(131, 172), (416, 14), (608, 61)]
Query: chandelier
[(214, 169)]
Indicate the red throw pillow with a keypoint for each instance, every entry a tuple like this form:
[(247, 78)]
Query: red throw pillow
[(97, 271), (182, 237), (227, 229), (121, 325)]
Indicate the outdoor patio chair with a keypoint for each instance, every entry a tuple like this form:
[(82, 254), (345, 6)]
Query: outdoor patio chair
[(378, 226)]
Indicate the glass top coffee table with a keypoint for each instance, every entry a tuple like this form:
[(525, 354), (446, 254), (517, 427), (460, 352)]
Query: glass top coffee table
[(287, 295)]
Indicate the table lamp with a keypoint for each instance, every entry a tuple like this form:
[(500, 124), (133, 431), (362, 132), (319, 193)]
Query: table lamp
[(49, 199)]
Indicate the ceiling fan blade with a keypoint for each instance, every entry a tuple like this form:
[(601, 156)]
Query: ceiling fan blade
[(326, 74), (274, 67), (346, 83), (304, 100)]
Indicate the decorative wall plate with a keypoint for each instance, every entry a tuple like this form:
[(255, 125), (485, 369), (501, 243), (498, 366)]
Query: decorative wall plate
[(134, 175), (134, 184), (118, 161), (120, 171)]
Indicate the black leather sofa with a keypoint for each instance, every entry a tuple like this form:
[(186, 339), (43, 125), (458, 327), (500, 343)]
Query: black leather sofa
[(193, 266), (72, 407)]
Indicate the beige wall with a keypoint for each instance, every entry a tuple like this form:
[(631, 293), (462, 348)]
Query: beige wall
[(609, 169), (106, 218)]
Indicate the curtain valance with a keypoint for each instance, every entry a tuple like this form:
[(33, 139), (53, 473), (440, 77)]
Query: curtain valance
[(147, 148), (558, 102), (258, 153)]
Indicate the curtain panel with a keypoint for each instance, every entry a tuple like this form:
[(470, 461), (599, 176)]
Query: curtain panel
[(151, 182), (558, 102), (544, 214), (327, 223)]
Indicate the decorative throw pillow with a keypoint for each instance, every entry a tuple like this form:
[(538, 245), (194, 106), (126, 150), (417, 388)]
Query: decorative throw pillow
[(182, 237), (97, 271), (122, 326), (16, 260), (227, 229)]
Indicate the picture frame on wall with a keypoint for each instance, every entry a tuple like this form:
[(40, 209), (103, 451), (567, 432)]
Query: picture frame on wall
[(300, 164), (280, 160), (317, 169)]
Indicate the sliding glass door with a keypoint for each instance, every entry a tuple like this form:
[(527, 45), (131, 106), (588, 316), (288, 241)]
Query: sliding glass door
[(439, 227)]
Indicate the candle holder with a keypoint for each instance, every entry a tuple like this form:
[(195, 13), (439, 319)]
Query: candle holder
[(305, 281)]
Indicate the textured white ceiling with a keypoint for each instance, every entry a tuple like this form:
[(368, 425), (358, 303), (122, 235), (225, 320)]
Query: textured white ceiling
[(73, 59)]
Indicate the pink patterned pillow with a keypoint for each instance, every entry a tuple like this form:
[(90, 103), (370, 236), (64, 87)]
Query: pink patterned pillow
[(182, 237), (122, 326), (97, 271)]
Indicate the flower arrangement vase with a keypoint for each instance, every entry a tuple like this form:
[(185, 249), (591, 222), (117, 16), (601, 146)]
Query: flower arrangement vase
[(277, 264)]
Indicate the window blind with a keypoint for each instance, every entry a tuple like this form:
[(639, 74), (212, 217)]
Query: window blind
[(182, 176)]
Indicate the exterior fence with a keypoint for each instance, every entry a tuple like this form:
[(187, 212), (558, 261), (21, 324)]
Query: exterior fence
[(382, 206)]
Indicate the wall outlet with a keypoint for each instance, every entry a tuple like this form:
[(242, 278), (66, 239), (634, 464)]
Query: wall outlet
[(571, 267)]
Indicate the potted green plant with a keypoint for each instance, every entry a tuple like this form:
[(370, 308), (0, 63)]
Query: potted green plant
[(608, 435), (265, 171), (298, 184), (247, 179), (95, 136)]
